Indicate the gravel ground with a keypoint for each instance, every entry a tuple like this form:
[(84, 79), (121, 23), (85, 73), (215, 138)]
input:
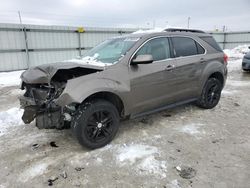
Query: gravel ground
[(178, 148)]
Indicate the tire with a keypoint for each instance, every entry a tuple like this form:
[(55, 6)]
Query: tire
[(211, 94), (95, 123), (246, 70)]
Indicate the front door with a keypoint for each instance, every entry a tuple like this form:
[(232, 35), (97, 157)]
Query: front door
[(149, 86)]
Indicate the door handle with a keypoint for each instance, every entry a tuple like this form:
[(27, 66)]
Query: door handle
[(169, 67), (202, 60)]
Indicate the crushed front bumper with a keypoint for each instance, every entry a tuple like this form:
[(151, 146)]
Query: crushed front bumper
[(46, 117)]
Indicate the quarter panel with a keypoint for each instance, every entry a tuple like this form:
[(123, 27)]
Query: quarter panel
[(215, 63)]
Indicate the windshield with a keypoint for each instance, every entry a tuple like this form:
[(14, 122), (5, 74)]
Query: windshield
[(110, 51)]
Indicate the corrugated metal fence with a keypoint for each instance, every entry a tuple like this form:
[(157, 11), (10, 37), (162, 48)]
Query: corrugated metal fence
[(229, 40), (23, 46)]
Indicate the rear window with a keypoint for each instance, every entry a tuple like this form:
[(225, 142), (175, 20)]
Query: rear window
[(210, 40), (184, 46)]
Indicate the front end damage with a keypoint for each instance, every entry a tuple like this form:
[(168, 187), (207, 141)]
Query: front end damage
[(39, 99), (38, 103)]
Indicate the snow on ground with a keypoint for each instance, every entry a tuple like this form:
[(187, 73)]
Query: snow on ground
[(174, 184), (152, 166), (133, 152), (235, 56), (237, 52), (234, 65), (35, 169), (236, 83), (10, 118), (192, 129), (10, 78), (226, 92), (142, 158)]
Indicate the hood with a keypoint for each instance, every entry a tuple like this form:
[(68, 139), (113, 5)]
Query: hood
[(44, 73)]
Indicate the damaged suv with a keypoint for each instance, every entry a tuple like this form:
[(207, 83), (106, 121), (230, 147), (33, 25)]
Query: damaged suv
[(124, 77)]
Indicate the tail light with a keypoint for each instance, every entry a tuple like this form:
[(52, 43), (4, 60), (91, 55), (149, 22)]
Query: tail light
[(225, 57)]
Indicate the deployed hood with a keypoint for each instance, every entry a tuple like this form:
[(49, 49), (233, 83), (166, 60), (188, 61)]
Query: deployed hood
[(44, 73)]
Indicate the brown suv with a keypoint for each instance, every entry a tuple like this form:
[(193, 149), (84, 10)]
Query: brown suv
[(124, 77)]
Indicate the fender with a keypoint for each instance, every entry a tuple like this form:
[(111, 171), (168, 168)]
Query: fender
[(77, 90)]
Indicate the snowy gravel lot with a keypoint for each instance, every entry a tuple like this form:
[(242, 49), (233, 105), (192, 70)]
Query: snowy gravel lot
[(149, 152)]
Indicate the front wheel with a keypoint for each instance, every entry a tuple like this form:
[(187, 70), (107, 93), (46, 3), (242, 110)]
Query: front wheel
[(95, 123), (211, 94)]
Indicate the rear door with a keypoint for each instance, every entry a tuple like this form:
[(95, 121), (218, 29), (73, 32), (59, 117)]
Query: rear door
[(189, 56)]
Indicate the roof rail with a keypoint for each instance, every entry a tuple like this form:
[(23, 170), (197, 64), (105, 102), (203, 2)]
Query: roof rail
[(183, 30)]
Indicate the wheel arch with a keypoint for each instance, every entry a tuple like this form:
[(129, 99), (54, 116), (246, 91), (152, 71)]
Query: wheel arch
[(108, 96), (212, 74), (218, 75)]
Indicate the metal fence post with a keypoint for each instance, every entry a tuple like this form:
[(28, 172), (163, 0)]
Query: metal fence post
[(26, 46), (79, 43), (224, 40)]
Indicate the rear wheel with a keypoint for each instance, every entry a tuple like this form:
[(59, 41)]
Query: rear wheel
[(210, 94), (95, 123)]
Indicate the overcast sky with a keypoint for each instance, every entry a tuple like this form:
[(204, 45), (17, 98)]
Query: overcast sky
[(207, 15)]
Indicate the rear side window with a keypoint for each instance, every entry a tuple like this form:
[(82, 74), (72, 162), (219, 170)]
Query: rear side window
[(158, 48), (184, 46), (200, 49), (210, 40)]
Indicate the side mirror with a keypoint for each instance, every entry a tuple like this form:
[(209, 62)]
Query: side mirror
[(142, 59), (248, 47)]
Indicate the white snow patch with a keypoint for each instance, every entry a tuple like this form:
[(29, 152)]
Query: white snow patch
[(229, 92), (133, 152), (142, 159), (192, 129), (152, 166), (234, 65), (10, 78), (10, 118), (16, 92), (158, 136), (33, 171), (237, 83), (174, 184), (237, 52), (99, 160), (89, 60), (235, 57)]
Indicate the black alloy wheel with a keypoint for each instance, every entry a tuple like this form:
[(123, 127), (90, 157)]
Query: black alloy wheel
[(96, 123), (211, 94)]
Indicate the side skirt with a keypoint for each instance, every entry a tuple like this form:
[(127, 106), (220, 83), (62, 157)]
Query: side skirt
[(133, 116)]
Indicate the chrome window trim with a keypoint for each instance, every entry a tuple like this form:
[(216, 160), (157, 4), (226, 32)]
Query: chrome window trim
[(205, 50), (184, 36)]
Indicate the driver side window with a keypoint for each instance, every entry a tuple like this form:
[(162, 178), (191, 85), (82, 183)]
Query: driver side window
[(158, 48)]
